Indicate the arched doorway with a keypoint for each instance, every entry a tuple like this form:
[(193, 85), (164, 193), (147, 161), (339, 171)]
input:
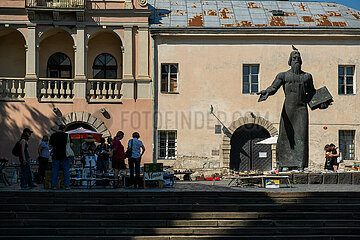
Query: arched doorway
[(245, 154)]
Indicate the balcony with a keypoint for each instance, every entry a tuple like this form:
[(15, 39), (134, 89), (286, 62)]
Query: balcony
[(55, 9), (104, 90), (57, 4), (12, 89), (55, 90)]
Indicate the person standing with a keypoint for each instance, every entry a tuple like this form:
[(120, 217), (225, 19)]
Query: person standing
[(102, 150), (118, 155), (24, 159), (44, 155), (328, 164), (58, 141), (134, 161), (334, 154)]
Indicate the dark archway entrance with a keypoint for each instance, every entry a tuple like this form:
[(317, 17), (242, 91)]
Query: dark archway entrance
[(245, 154), (77, 143)]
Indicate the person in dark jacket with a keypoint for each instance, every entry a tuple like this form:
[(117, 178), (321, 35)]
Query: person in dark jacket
[(58, 142)]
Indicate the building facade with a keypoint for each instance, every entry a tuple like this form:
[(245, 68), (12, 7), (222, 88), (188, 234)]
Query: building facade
[(221, 53), (76, 62)]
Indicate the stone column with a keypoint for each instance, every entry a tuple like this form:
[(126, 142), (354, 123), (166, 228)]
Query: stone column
[(80, 64), (128, 77), (31, 63), (143, 53)]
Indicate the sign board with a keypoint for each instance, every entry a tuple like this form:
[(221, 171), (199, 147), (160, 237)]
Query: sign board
[(153, 171), (262, 154), (153, 167), (150, 176), (272, 183)]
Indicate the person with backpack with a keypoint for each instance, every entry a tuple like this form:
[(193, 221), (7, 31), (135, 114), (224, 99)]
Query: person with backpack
[(134, 146), (24, 159)]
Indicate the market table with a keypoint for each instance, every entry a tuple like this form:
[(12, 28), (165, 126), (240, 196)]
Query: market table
[(262, 178)]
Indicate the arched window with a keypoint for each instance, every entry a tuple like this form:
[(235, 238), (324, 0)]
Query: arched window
[(105, 66), (59, 66)]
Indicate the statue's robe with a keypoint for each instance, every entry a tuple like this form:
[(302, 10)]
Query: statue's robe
[(292, 148)]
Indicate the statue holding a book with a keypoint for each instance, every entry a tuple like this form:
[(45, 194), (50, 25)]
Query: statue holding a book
[(293, 142)]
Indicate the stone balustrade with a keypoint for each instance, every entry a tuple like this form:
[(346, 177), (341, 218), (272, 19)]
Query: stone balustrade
[(104, 90), (53, 90), (56, 3), (12, 89)]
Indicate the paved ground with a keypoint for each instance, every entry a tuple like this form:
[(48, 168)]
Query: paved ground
[(218, 186)]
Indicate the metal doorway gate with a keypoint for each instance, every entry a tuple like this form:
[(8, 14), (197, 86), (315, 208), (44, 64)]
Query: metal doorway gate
[(245, 154)]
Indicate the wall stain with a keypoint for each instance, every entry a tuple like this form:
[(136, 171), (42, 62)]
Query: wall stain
[(196, 21)]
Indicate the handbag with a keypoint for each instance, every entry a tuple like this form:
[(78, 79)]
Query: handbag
[(128, 152), (339, 158), (69, 151)]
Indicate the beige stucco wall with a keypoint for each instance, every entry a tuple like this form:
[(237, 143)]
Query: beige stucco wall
[(210, 72), (12, 53), (128, 117)]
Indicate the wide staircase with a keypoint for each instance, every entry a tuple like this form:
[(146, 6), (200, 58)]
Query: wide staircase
[(179, 215)]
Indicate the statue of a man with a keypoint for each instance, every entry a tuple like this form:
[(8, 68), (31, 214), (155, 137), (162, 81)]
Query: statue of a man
[(293, 142)]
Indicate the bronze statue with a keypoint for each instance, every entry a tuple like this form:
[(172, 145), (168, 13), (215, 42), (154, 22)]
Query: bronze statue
[(293, 142)]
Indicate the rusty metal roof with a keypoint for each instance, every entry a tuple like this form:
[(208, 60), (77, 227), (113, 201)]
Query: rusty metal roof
[(251, 14)]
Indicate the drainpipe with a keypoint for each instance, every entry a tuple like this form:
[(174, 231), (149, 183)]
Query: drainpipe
[(154, 91)]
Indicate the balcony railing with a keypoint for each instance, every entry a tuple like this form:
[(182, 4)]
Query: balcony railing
[(56, 3), (52, 90), (104, 90), (12, 89)]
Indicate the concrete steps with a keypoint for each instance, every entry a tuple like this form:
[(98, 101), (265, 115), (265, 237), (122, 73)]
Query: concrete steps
[(179, 215)]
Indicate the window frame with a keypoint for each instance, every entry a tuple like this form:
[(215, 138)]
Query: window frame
[(345, 154), (104, 67), (58, 68), (167, 145), (169, 78), (345, 66), (250, 77)]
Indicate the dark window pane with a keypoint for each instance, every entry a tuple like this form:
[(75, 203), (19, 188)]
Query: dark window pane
[(112, 62), (164, 68), (99, 74), (110, 74), (246, 79), (164, 83), (254, 88), (255, 69), (349, 71), (171, 153), (349, 90), (349, 80), (173, 69), (341, 70), (162, 153), (341, 79), (246, 88), (254, 78), (341, 89), (246, 70)]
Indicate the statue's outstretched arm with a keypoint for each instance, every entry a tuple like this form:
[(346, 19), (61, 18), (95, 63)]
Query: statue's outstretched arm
[(277, 83)]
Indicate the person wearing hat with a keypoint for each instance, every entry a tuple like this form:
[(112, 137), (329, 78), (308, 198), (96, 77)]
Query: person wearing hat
[(24, 159)]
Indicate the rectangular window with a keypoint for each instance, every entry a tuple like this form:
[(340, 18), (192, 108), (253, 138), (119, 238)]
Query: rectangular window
[(347, 144), (346, 79), (251, 78), (169, 78), (167, 144)]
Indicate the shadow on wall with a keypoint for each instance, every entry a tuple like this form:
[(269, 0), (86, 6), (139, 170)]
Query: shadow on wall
[(15, 117)]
